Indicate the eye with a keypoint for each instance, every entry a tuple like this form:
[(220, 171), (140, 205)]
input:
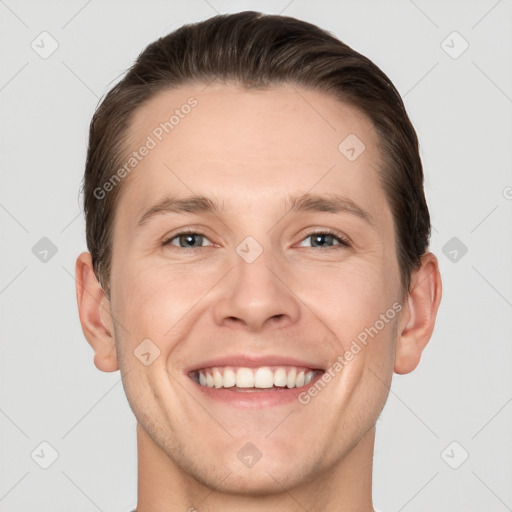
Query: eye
[(187, 239), (193, 240), (325, 238)]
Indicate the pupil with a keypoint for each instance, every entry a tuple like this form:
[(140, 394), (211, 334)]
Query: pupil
[(190, 239), (319, 238)]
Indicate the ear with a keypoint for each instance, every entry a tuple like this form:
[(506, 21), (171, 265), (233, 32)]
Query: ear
[(419, 316), (95, 315)]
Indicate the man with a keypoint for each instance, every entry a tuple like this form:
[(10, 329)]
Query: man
[(258, 263)]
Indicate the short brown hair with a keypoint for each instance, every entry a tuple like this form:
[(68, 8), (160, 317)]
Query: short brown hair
[(257, 51)]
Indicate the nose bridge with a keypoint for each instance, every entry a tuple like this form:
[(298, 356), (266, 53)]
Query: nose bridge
[(255, 292)]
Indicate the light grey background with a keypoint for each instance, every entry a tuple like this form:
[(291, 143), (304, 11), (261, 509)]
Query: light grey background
[(462, 110)]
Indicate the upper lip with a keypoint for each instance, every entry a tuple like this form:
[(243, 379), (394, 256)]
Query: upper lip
[(254, 361)]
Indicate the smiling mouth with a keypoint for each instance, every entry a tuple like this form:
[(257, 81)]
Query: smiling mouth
[(244, 379)]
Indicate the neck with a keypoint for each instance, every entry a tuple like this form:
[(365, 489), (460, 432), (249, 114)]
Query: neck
[(164, 487)]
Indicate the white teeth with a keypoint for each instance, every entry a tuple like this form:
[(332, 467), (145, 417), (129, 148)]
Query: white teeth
[(292, 378), (217, 378), (261, 378), (229, 378), (244, 378), (280, 377)]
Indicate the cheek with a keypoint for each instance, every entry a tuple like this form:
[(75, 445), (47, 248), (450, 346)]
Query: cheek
[(157, 300), (347, 298), (357, 305)]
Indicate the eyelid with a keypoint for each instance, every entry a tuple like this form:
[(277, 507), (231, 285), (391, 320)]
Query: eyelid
[(185, 231), (344, 240)]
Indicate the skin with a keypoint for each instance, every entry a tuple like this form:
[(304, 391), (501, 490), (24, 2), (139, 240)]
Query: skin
[(251, 149)]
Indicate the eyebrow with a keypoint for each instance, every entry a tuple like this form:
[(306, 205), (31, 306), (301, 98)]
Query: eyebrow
[(330, 203)]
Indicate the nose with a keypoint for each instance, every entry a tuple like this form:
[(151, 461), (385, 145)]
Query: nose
[(256, 295)]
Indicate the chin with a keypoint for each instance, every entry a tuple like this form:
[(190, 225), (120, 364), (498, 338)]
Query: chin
[(257, 482)]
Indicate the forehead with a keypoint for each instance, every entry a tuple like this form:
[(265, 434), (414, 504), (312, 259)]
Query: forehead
[(219, 138)]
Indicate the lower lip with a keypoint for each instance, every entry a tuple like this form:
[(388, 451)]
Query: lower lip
[(255, 399)]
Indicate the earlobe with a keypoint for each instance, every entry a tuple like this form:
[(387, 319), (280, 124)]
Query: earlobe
[(95, 315), (419, 315)]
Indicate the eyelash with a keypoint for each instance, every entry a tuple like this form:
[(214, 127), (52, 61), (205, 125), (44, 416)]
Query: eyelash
[(343, 241)]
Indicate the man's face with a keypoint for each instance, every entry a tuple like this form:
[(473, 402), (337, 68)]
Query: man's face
[(251, 286)]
